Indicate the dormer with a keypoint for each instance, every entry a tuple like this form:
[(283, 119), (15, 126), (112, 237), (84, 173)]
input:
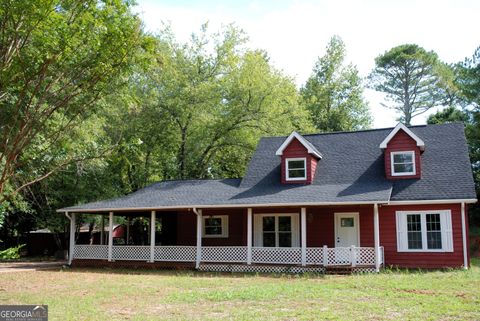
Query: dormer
[(402, 151), (299, 159)]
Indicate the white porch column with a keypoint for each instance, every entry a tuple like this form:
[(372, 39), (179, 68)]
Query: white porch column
[(102, 230), (128, 229), (325, 255), (303, 219), (376, 236), (249, 235), (152, 236), (72, 238), (110, 236), (199, 238), (353, 256), (464, 237)]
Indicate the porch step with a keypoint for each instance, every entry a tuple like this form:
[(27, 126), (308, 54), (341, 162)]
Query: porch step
[(339, 269)]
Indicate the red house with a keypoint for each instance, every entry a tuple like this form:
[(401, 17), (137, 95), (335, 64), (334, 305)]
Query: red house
[(356, 200)]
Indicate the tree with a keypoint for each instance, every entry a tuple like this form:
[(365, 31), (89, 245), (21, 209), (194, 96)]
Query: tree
[(334, 92), (469, 80), (206, 104), (467, 94), (409, 76), (57, 60), (450, 114)]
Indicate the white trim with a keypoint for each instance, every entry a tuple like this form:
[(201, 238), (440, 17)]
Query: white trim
[(302, 140), (427, 202), (287, 169), (98, 210), (258, 228), (224, 224), (385, 203), (356, 216), (401, 126), (392, 163), (445, 230), (464, 237)]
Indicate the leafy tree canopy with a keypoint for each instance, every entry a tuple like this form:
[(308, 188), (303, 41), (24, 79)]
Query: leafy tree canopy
[(57, 59), (409, 76), (334, 92)]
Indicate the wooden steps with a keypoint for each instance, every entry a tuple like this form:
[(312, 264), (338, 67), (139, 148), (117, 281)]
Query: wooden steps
[(339, 269)]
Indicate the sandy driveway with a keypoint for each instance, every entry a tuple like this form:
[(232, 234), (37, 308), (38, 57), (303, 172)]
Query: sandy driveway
[(29, 266)]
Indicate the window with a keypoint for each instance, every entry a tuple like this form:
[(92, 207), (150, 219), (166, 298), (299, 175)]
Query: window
[(424, 231), (403, 163), (276, 230), (347, 222), (215, 226), (296, 169)]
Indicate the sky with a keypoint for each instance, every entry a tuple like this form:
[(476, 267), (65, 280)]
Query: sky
[(296, 33)]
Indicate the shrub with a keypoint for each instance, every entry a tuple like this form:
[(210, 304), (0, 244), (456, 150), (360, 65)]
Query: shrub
[(12, 253)]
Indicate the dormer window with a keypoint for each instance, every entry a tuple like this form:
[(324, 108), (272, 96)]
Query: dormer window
[(299, 159), (402, 151), (296, 169), (403, 163)]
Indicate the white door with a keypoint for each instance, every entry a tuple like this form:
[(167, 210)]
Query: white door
[(347, 231)]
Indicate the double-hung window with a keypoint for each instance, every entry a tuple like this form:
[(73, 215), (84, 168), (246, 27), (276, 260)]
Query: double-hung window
[(424, 231), (403, 163), (276, 230), (215, 226), (296, 169)]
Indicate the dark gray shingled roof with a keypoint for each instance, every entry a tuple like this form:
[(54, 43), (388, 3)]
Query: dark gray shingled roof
[(351, 170), (313, 148)]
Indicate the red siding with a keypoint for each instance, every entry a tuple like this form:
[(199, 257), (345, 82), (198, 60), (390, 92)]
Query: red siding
[(321, 231), (402, 142), (467, 233), (237, 228), (321, 224), (296, 149), (388, 239)]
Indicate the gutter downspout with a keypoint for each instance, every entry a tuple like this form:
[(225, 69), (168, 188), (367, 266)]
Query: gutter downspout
[(199, 236)]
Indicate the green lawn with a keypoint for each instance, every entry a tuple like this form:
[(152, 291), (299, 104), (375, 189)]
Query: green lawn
[(110, 295)]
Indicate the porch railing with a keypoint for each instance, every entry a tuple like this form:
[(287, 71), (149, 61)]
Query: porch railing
[(320, 256)]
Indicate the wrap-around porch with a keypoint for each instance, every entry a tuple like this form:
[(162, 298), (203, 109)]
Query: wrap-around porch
[(249, 237)]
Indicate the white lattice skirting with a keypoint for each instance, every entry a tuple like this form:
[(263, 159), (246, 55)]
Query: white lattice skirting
[(356, 257), (239, 268)]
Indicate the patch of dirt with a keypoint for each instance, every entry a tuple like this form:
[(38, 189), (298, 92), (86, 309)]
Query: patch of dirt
[(415, 291)]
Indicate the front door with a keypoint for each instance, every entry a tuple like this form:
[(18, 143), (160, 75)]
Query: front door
[(347, 232)]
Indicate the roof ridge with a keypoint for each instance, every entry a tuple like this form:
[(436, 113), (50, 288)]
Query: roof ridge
[(368, 130), (195, 179)]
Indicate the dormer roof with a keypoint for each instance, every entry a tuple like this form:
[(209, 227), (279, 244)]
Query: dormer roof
[(310, 148), (395, 130)]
